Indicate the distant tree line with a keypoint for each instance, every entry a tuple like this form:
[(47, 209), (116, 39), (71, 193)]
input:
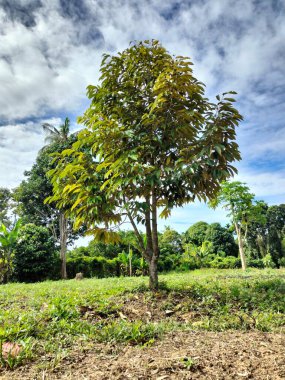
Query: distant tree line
[(35, 235)]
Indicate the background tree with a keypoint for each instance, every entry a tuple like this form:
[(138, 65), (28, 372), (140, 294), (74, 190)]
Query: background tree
[(60, 134), (222, 240), (237, 199), (35, 254), (275, 218), (196, 233), (170, 247), (6, 206), (32, 192), (171, 240), (257, 231), (155, 138)]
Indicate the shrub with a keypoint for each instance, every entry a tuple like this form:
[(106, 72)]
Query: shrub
[(93, 266), (282, 262), (189, 263), (255, 263), (268, 262), (35, 254), (229, 262)]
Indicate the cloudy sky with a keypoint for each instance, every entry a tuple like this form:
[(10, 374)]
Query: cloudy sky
[(50, 50)]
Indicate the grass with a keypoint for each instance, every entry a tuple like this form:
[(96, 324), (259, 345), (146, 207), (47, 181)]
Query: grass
[(52, 319)]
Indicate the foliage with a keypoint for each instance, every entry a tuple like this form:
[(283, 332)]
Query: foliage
[(98, 267), (266, 230), (35, 254), (170, 246), (276, 232), (229, 262), (156, 141), (257, 231), (237, 199), (222, 239), (60, 134), (32, 192), (256, 263), (170, 240), (8, 239), (110, 250), (5, 206), (268, 262), (96, 260), (196, 234), (282, 262)]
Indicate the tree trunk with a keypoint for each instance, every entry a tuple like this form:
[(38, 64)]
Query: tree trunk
[(130, 262), (153, 274), (63, 244), (150, 250), (241, 247)]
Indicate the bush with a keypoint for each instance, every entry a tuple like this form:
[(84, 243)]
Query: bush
[(255, 263), (282, 262), (189, 264), (229, 262), (268, 262), (93, 266), (35, 254)]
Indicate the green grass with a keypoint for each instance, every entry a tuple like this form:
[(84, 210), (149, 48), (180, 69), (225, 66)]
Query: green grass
[(50, 320)]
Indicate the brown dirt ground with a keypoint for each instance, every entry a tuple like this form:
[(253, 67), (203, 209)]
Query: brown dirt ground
[(138, 307), (182, 355)]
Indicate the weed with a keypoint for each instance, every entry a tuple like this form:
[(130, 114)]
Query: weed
[(188, 363)]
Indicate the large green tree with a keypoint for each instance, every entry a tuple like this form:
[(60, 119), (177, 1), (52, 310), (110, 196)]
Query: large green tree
[(222, 240), (34, 254), (239, 201), (156, 143), (6, 206), (196, 233), (60, 135), (275, 218), (258, 231), (36, 187)]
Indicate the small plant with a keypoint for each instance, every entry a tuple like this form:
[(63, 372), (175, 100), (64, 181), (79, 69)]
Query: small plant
[(135, 333), (282, 262), (267, 261), (189, 363)]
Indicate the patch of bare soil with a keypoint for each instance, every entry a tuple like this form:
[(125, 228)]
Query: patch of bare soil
[(139, 307), (183, 355)]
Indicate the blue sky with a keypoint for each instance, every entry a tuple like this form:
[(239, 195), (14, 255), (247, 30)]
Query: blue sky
[(51, 50)]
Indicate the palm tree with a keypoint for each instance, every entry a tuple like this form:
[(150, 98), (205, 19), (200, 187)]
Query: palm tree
[(57, 134), (54, 135)]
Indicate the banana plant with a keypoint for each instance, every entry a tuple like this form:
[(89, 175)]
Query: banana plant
[(8, 239), (124, 260), (198, 253)]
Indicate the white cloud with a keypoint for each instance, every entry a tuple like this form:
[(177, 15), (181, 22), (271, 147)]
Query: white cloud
[(19, 145)]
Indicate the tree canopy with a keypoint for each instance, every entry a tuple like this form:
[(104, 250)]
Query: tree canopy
[(239, 201), (154, 141)]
